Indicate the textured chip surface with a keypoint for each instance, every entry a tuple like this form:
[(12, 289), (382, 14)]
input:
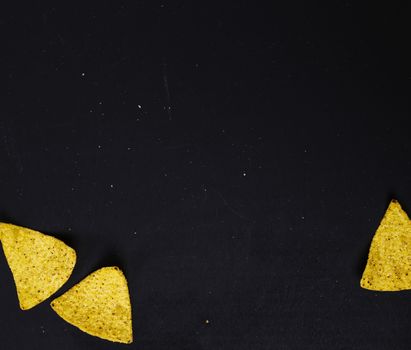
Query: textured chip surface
[(99, 305), (389, 259), (40, 264)]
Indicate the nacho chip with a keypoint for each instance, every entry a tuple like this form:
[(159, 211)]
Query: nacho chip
[(40, 264), (389, 259), (99, 305)]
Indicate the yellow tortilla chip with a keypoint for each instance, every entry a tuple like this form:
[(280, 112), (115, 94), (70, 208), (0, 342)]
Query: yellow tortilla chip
[(40, 264), (99, 305), (389, 259)]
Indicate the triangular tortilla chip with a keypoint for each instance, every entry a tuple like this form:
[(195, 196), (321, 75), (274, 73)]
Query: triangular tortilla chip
[(99, 305), (389, 259), (40, 264)]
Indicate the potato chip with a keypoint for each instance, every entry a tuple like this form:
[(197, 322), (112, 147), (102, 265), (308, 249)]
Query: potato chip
[(99, 305), (389, 259), (40, 264)]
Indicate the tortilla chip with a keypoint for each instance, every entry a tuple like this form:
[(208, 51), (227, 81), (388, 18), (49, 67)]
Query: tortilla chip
[(40, 264), (389, 259), (99, 305)]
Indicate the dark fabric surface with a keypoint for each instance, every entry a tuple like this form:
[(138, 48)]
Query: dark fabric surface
[(233, 158)]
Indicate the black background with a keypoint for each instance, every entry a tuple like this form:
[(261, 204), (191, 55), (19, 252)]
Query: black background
[(233, 158)]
